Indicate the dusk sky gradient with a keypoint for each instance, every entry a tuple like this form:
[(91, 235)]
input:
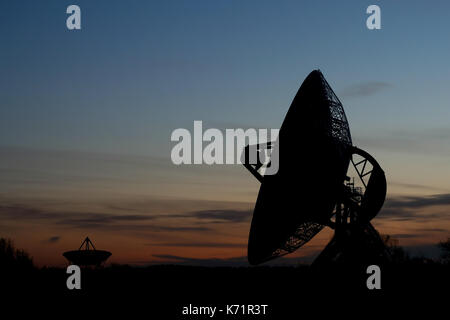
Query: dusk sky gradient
[(86, 118)]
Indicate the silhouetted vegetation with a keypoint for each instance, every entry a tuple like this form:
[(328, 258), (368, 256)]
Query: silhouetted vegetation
[(397, 253), (165, 288), (445, 247), (12, 258)]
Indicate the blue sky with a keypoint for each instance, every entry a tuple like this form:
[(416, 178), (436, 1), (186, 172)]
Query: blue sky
[(138, 70)]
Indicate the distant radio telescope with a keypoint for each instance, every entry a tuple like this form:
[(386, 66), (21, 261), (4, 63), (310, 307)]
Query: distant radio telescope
[(87, 255)]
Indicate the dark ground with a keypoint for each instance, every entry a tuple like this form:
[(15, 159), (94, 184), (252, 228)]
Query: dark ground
[(160, 292)]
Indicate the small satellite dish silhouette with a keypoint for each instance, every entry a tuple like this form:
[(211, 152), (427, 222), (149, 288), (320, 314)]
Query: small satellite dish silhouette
[(323, 180), (87, 255)]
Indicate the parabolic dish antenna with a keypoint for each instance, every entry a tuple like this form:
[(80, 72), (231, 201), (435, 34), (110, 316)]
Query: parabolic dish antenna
[(87, 255), (313, 188)]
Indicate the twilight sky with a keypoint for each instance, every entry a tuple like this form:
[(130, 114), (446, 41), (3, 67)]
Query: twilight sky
[(86, 118)]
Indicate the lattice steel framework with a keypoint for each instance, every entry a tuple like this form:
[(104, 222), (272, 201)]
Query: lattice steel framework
[(301, 236), (339, 125)]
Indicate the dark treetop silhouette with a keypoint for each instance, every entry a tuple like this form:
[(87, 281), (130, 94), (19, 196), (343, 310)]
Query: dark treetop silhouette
[(312, 188), (87, 256)]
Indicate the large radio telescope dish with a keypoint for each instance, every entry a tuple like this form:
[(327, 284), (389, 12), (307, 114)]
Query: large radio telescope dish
[(311, 189)]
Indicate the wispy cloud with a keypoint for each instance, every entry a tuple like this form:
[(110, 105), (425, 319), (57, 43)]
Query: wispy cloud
[(403, 235), (227, 262), (364, 89), (194, 221), (415, 186), (199, 244), (211, 262), (412, 207), (53, 239), (92, 220), (219, 215), (418, 201)]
